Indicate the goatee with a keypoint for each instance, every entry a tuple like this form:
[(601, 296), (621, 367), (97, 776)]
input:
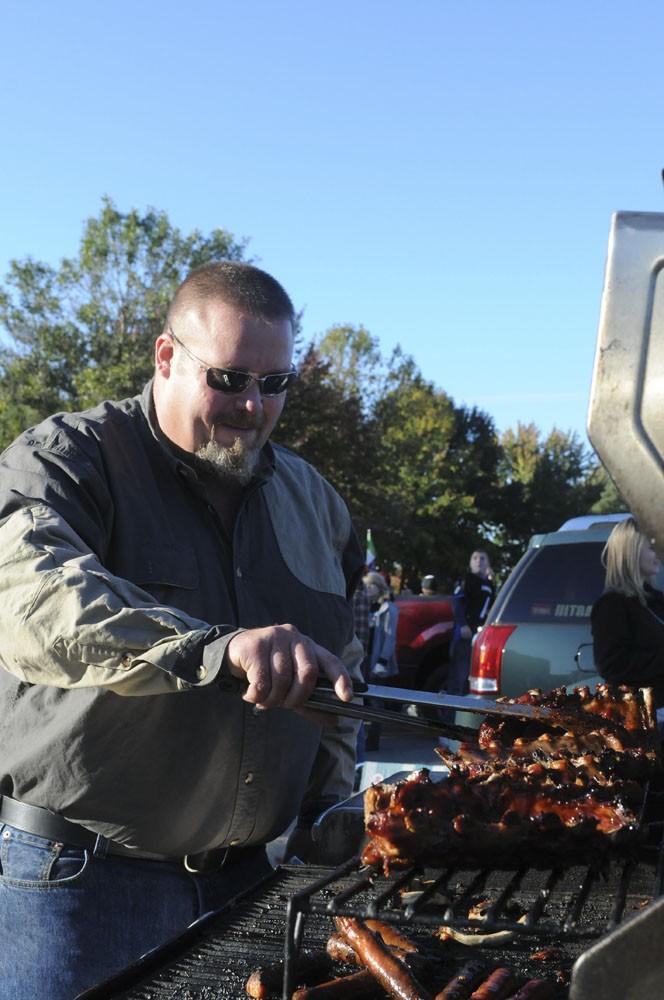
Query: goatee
[(237, 461)]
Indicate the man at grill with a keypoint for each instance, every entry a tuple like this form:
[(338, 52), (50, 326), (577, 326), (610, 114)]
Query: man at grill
[(173, 585)]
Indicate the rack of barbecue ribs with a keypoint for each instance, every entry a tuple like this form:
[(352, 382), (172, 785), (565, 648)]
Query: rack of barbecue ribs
[(614, 718), (526, 791)]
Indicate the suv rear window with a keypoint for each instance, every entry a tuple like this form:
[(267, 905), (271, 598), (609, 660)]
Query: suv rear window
[(559, 584)]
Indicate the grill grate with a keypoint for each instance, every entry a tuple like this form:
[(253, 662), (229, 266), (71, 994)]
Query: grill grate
[(213, 959), (567, 904)]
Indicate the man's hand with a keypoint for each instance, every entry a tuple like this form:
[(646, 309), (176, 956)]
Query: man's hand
[(281, 666)]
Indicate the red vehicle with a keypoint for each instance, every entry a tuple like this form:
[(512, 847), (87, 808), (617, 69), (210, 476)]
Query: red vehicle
[(424, 633)]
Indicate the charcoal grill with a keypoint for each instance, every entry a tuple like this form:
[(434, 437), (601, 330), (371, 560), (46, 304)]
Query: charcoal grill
[(572, 911)]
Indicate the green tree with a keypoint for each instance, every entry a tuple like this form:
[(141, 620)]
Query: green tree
[(323, 421), (438, 462), (543, 482), (418, 470), (473, 459), (416, 424), (610, 501), (353, 362), (85, 330)]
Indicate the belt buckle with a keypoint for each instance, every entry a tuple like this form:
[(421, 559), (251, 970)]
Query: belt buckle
[(196, 863)]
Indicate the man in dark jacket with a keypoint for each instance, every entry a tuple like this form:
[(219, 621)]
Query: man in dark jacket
[(150, 707), (474, 595)]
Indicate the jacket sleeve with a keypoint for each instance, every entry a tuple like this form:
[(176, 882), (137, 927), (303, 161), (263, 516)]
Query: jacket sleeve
[(621, 655), (67, 622)]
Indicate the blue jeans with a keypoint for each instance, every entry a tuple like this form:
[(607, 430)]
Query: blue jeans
[(457, 674), (69, 920)]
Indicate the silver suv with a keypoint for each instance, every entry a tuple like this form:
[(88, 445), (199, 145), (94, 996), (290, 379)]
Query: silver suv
[(537, 634)]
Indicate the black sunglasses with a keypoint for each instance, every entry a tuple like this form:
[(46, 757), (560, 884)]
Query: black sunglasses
[(230, 381)]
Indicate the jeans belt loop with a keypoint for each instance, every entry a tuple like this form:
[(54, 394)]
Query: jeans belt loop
[(100, 850)]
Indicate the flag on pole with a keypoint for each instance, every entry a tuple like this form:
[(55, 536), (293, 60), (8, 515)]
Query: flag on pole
[(371, 550)]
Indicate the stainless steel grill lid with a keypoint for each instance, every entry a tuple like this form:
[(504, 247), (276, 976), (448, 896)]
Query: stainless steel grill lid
[(626, 413)]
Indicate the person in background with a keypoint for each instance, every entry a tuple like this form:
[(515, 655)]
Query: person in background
[(360, 602), (152, 713), (361, 616), (429, 585), (476, 592), (381, 660), (627, 621), (473, 595)]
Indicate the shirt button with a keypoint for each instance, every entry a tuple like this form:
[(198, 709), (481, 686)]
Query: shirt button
[(248, 778), (201, 673)]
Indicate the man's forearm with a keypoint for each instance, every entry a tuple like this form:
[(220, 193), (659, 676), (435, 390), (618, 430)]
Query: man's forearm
[(66, 621)]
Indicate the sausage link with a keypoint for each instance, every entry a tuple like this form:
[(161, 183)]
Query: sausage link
[(269, 979), (359, 984), (376, 956), (339, 950), (500, 984), (391, 936), (535, 989), (466, 980)]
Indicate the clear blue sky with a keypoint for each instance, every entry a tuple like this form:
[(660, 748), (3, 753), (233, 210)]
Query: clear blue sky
[(441, 172)]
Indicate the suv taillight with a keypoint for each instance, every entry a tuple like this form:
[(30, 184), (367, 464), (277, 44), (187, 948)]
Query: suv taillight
[(487, 659)]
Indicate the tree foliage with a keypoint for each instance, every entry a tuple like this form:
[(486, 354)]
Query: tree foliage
[(85, 331), (610, 500), (431, 479), (543, 482), (353, 362), (324, 423)]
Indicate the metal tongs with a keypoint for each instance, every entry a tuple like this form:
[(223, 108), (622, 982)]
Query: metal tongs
[(324, 699)]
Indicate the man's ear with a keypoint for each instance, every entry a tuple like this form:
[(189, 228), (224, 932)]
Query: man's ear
[(163, 354)]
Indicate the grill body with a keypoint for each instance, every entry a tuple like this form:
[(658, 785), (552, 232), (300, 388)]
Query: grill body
[(584, 917)]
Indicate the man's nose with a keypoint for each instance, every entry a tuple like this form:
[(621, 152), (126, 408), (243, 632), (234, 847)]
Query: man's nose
[(250, 400)]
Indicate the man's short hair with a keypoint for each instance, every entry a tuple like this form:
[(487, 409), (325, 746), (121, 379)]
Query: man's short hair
[(429, 582), (244, 286)]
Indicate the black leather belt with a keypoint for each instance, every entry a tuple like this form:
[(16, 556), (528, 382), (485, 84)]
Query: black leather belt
[(43, 823)]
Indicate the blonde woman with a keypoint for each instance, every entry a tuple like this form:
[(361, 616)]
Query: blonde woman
[(628, 619)]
